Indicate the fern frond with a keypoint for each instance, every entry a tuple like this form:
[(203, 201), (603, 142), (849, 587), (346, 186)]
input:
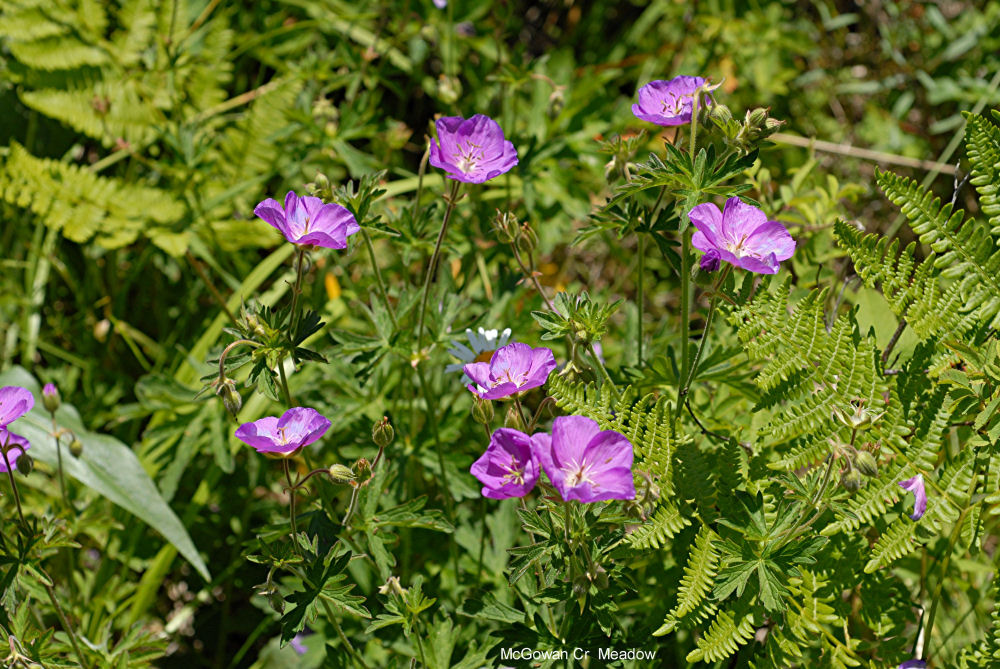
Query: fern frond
[(723, 638), (819, 372), (966, 250), (982, 145), (897, 541), (698, 579), (83, 205), (662, 526)]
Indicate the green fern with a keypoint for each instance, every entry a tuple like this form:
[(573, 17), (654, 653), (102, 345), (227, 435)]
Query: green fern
[(819, 373), (723, 638), (982, 144), (966, 251), (699, 577)]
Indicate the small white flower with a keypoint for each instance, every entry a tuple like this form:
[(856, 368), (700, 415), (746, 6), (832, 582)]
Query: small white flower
[(481, 346)]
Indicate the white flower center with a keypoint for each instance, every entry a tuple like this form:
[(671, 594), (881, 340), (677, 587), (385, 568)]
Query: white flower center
[(468, 156), (674, 104), (515, 474), (577, 473)]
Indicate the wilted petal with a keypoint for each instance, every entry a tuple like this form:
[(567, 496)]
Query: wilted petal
[(916, 486)]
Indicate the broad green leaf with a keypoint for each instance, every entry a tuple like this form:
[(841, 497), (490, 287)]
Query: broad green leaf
[(106, 466)]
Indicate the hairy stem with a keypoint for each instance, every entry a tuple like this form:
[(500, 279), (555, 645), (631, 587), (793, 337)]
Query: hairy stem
[(13, 486), (65, 623), (640, 301), (435, 257), (689, 379), (291, 501), (62, 481), (378, 278), (296, 291), (341, 635)]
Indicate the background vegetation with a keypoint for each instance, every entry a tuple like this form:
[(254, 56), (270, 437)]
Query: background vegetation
[(139, 135)]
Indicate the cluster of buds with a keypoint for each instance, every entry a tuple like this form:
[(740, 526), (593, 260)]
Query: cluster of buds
[(859, 417), (861, 463), (756, 126), (510, 231)]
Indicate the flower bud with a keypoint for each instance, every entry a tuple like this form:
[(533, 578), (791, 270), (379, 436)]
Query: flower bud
[(526, 239), (449, 89), (382, 432), (24, 464), (866, 464), (392, 587), (482, 411), (363, 468), (756, 117), (76, 447), (341, 474), (557, 100), (513, 418), (851, 480), (505, 226), (50, 398), (231, 399), (720, 113)]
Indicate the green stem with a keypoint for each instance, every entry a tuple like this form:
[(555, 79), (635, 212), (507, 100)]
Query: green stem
[(340, 633), (13, 485), (640, 301), (284, 383), (432, 267), (296, 291), (291, 502), (378, 278), (65, 623), (520, 411), (62, 481), (689, 379), (685, 322), (604, 371)]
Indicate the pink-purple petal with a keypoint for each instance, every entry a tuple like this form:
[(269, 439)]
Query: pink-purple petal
[(773, 236), (509, 467), (472, 150), (916, 486), (741, 219), (15, 401)]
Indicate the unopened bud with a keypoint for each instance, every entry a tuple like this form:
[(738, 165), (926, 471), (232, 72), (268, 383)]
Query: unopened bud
[(24, 464), (505, 225), (322, 183), (254, 326), (720, 113), (557, 100), (231, 399), (482, 411), (382, 432), (756, 117), (392, 587), (866, 464), (76, 448), (341, 474), (526, 239), (851, 480), (363, 468), (513, 419), (50, 398), (449, 89)]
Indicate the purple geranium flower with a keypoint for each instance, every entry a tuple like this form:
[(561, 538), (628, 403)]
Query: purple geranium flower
[(913, 664), (584, 463), (298, 427), (471, 150), (14, 445), (509, 467), (15, 401), (668, 102), (741, 235), (512, 369), (440, 4), (916, 486), (307, 221)]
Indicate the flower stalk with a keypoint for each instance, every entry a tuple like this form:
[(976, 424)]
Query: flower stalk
[(450, 199)]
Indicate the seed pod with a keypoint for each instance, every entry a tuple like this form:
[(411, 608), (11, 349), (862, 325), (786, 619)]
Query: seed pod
[(482, 411), (24, 464), (513, 418), (276, 601), (383, 433), (76, 447), (340, 474), (851, 480), (866, 464)]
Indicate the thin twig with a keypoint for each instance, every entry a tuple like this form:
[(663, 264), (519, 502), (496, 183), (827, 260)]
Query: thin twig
[(892, 342), (863, 154)]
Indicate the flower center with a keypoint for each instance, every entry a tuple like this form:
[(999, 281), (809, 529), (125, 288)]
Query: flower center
[(510, 376), (737, 249), (469, 154), (579, 473), (674, 104), (515, 473)]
